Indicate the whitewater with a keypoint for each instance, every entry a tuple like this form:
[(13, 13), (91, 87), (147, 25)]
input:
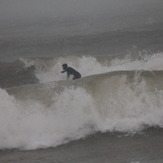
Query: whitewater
[(40, 108)]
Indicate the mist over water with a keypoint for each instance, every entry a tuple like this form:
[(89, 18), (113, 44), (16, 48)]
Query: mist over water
[(40, 8), (48, 28), (88, 14)]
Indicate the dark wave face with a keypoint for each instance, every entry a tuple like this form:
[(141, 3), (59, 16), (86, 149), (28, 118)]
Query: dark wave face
[(15, 74)]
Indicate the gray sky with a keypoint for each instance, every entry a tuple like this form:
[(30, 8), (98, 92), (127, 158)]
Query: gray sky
[(49, 8)]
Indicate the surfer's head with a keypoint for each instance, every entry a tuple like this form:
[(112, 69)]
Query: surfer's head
[(64, 66)]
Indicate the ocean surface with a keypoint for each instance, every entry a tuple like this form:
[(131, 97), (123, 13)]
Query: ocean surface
[(113, 114)]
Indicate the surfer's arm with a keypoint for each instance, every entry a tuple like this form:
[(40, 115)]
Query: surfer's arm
[(63, 71)]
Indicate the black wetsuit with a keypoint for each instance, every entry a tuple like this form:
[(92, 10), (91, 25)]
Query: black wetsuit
[(71, 71)]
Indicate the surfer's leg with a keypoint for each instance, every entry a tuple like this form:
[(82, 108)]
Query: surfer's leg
[(76, 77)]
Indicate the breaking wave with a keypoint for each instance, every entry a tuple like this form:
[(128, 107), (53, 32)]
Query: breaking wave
[(115, 95)]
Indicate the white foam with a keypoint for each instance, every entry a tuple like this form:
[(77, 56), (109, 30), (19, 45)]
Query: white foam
[(76, 113), (147, 62), (31, 125), (89, 66), (85, 65)]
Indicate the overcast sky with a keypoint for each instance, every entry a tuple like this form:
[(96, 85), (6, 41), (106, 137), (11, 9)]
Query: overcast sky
[(50, 8)]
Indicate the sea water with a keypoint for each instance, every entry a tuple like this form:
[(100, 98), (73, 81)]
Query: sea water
[(114, 113)]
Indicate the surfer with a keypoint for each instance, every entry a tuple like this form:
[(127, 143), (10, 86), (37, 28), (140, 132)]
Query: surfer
[(70, 71)]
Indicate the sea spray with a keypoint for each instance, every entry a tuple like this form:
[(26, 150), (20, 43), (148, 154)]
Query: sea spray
[(42, 70), (48, 69), (30, 124), (59, 112)]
